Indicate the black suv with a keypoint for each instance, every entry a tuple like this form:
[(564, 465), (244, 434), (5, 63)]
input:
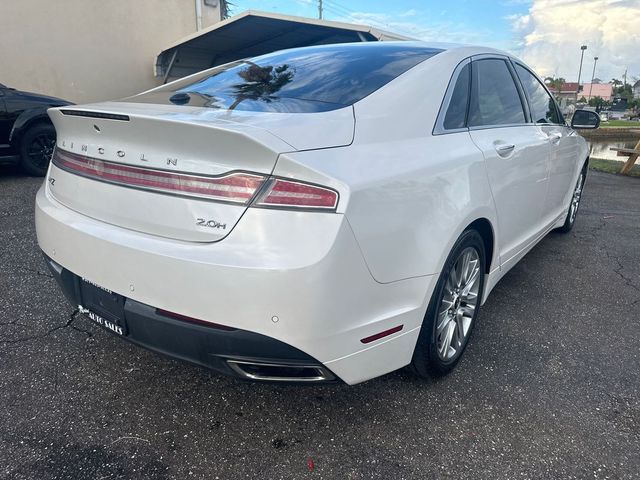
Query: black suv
[(27, 136)]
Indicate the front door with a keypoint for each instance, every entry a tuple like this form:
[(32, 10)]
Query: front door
[(561, 144)]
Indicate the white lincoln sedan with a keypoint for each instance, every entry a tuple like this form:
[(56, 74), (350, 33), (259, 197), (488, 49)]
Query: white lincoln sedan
[(317, 214)]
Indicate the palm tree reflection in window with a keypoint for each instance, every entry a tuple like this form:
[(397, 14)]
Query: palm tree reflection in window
[(261, 83)]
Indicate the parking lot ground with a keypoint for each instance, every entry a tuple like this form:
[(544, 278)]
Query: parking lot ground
[(548, 388)]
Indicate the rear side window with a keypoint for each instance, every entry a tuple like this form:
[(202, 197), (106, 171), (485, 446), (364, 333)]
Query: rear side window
[(298, 80), (494, 96), (457, 109), (543, 106)]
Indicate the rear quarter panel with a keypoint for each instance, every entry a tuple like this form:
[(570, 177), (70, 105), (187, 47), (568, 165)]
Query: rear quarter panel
[(406, 193), (414, 200)]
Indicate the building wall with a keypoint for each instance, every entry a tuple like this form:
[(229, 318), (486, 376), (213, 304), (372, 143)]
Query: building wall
[(602, 90), (90, 50)]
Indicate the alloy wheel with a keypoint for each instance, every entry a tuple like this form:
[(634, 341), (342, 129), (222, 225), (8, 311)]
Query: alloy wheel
[(40, 150), (575, 199), (458, 304)]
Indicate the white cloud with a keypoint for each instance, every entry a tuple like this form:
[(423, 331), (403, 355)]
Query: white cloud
[(409, 13), (519, 23), (551, 33)]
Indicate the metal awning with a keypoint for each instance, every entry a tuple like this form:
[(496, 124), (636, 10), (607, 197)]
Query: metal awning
[(254, 33)]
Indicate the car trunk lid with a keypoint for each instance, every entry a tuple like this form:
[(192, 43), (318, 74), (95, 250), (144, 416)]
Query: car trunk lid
[(185, 174)]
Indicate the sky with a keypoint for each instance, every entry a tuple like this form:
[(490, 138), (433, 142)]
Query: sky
[(547, 34)]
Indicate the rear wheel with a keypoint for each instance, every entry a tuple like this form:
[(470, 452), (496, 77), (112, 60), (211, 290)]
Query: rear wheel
[(574, 205), (453, 308), (36, 149)]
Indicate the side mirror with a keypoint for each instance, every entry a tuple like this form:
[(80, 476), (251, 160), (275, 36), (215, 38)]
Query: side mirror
[(585, 119), (180, 98)]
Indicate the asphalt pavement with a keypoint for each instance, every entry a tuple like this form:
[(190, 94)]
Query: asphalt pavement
[(548, 388)]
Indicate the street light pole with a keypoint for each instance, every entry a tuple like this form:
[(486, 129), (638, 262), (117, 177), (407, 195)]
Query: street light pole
[(320, 9), (582, 48), (593, 75)]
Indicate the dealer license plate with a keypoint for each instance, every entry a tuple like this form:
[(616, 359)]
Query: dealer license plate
[(104, 307)]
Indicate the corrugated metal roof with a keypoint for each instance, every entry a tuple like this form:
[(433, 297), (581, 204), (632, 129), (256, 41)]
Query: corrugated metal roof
[(253, 33), (569, 87)]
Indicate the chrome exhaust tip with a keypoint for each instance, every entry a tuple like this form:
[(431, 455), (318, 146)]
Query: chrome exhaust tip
[(278, 372)]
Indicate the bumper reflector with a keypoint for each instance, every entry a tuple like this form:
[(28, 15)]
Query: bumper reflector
[(184, 318), (380, 335)]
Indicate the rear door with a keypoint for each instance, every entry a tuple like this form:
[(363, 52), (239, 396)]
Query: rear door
[(561, 143), (515, 151)]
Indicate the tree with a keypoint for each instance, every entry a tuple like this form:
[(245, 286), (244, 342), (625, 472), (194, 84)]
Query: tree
[(555, 83), (225, 9), (598, 102), (624, 91), (261, 83), (615, 82)]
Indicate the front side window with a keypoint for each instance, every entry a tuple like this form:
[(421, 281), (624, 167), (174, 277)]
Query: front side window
[(543, 106), (494, 96)]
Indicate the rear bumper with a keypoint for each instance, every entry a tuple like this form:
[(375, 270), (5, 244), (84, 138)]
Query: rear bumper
[(233, 352), (297, 278)]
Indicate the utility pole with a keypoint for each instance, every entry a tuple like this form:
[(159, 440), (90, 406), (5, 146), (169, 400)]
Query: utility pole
[(320, 9), (593, 75), (583, 48)]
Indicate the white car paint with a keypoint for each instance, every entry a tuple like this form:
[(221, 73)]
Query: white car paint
[(332, 279)]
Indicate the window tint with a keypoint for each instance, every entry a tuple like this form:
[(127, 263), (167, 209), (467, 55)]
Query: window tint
[(457, 109), (297, 80), (494, 96), (543, 107)]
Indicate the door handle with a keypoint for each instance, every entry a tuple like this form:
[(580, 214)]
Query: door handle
[(504, 148), (554, 137)]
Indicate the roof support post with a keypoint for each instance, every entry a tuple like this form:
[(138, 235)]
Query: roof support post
[(198, 15), (168, 71)]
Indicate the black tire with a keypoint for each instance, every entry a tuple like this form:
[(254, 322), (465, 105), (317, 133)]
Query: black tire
[(427, 362), (36, 149), (570, 219)]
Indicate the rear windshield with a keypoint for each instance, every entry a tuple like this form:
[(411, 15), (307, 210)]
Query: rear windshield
[(300, 80)]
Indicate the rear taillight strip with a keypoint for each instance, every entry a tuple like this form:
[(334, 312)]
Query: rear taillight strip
[(235, 187), (291, 194), (239, 187)]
